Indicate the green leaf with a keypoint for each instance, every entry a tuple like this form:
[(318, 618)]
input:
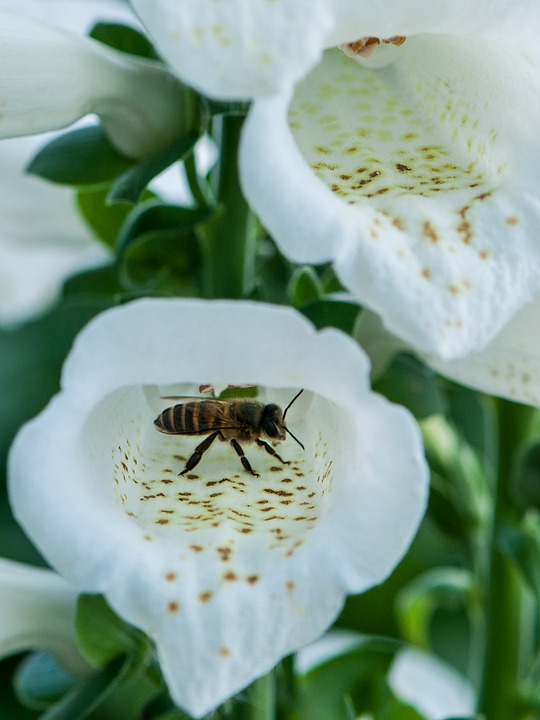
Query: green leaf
[(332, 313), (304, 286), (525, 481), (407, 381), (90, 694), (159, 251), (521, 543), (94, 283), (130, 185), (354, 677), (79, 157), (123, 38), (458, 477), (105, 220), (102, 635), (438, 588), (473, 416), (40, 680), (32, 355)]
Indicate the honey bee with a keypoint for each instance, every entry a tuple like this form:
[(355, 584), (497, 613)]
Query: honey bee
[(234, 420)]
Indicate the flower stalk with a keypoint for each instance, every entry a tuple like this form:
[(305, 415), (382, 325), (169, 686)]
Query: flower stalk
[(498, 696), (229, 236)]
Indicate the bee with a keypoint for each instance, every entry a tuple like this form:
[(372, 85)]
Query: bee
[(234, 420)]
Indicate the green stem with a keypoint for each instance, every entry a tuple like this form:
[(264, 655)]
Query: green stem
[(260, 700), (503, 592), (229, 237)]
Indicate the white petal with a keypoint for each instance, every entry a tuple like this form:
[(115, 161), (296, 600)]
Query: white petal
[(252, 48), (431, 686), (52, 77), (226, 572), (509, 366), (37, 608), (418, 180), (77, 15), (238, 49), (42, 237)]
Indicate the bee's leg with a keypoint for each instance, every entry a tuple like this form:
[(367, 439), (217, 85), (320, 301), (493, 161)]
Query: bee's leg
[(269, 449), (245, 462), (199, 452)]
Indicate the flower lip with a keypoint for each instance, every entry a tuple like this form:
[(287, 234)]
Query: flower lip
[(217, 565), (426, 206)]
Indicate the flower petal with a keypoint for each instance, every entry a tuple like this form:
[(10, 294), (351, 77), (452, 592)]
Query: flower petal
[(225, 571), (42, 237), (239, 49), (509, 366), (418, 180), (37, 609), (253, 48), (52, 78)]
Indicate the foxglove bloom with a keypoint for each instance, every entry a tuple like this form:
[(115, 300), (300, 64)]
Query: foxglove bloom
[(227, 572), (52, 77), (37, 609), (42, 237), (417, 180), (507, 367)]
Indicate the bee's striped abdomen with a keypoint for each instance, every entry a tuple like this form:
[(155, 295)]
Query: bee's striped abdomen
[(191, 418)]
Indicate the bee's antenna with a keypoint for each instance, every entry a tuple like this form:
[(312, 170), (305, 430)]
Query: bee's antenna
[(289, 405), (293, 436)]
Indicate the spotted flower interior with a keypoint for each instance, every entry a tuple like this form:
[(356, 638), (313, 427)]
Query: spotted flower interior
[(218, 502)]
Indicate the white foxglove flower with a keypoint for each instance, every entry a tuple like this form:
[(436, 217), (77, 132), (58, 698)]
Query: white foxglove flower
[(227, 572), (42, 237), (52, 77), (37, 608), (414, 172), (253, 48), (509, 366)]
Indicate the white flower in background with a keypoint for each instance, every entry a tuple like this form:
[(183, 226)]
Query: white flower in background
[(37, 608), (225, 571), (417, 677), (417, 179), (508, 367), (42, 236), (52, 77)]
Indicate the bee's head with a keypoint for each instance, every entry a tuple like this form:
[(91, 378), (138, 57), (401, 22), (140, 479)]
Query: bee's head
[(272, 422)]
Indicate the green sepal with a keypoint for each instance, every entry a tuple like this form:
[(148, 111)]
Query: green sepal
[(103, 636), (409, 382), (39, 681), (304, 286), (124, 38), (105, 220), (79, 157), (130, 185), (332, 313), (158, 249)]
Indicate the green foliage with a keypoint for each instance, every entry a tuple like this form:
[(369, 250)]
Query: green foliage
[(79, 157), (130, 185), (409, 382), (124, 38), (102, 635)]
